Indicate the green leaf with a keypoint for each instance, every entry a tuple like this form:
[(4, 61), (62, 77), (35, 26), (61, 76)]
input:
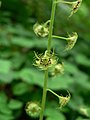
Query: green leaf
[(79, 77), (31, 76), (7, 77), (60, 82), (53, 114), (3, 97), (6, 117), (82, 60), (70, 68), (23, 42), (5, 66), (17, 60), (15, 104), (5, 109), (80, 118), (30, 43), (88, 111), (35, 77), (20, 88)]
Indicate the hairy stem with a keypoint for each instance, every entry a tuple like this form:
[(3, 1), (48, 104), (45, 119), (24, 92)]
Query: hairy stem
[(48, 48)]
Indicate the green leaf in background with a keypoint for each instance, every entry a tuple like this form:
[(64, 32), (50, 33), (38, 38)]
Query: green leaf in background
[(5, 66), (3, 97), (82, 60), (88, 112), (71, 68), (81, 118), (20, 88), (53, 114), (60, 82), (31, 76), (15, 104), (7, 77), (17, 60), (77, 76), (4, 109), (30, 43), (22, 42), (6, 117), (35, 77)]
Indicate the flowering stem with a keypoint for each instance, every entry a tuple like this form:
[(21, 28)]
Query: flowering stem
[(44, 95), (48, 48), (51, 25)]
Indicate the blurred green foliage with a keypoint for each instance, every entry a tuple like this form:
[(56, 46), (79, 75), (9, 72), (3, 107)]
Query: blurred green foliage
[(21, 82)]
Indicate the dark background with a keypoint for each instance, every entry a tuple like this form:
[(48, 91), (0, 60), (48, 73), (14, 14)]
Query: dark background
[(21, 82)]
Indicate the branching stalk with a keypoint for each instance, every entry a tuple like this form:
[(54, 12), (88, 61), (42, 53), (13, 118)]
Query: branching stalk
[(53, 92), (54, 36), (48, 48)]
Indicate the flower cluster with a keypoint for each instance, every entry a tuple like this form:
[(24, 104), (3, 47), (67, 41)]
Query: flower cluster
[(45, 61)]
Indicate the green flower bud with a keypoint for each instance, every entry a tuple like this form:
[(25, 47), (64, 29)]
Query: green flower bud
[(33, 109)]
